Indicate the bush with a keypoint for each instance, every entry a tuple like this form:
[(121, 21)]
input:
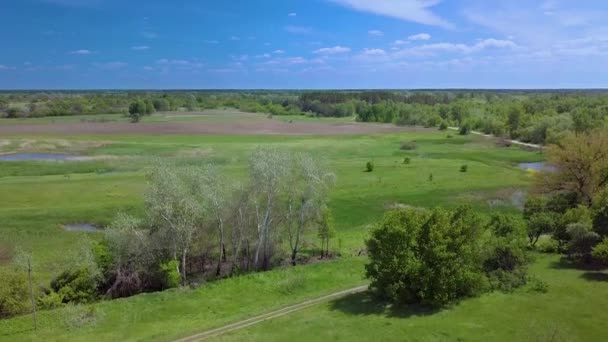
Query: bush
[(170, 275), (547, 246), (582, 242), (50, 300), (465, 129), (600, 213), (406, 160), (408, 146), (369, 166), (539, 224), (600, 252), (449, 136), (538, 285), (443, 126), (77, 286), (14, 293), (464, 168), (427, 257)]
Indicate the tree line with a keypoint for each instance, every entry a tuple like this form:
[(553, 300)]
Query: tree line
[(541, 117)]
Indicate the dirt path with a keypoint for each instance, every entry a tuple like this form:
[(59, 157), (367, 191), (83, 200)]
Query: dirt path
[(270, 315), (514, 142)]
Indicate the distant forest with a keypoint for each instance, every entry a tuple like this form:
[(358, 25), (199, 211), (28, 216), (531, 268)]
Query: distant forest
[(536, 116)]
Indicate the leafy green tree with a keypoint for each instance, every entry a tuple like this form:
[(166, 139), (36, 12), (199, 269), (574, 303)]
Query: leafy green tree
[(427, 257), (539, 224)]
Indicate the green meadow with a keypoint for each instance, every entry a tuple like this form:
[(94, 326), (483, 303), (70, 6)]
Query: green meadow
[(37, 198)]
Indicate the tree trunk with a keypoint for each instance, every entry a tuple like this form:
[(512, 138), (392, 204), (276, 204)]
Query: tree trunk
[(29, 274), (184, 266)]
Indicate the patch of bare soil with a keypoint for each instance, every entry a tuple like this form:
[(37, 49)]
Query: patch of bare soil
[(6, 255), (255, 127)]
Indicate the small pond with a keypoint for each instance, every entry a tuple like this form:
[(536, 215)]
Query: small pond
[(537, 166), (80, 227), (35, 156)]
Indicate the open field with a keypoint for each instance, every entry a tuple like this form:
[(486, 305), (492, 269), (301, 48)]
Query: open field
[(38, 198)]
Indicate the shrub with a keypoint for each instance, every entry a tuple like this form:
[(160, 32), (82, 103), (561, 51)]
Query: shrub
[(600, 252), (14, 293), (449, 136), (538, 285), (464, 168), (427, 257), (170, 275), (465, 129), (502, 225), (78, 286), (539, 224), (600, 213), (408, 146), (582, 241), (443, 126), (580, 214), (369, 166), (50, 300), (547, 246), (406, 160)]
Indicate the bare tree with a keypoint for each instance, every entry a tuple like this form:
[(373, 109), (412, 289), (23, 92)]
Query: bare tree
[(174, 212), (212, 192), (306, 192), (268, 170)]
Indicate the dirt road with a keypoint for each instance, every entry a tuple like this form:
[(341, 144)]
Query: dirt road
[(270, 315)]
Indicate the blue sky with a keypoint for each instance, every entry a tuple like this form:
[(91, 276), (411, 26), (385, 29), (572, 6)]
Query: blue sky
[(54, 44)]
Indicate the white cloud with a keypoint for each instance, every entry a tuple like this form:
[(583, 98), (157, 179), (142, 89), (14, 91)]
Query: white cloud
[(148, 68), (332, 50), (267, 44), (264, 55), (400, 42), (462, 48), (279, 52), (292, 14), (410, 10), (298, 29), (235, 38), (3, 67), (210, 41), (180, 63), (373, 52), (375, 33), (140, 47), (420, 36), (81, 52)]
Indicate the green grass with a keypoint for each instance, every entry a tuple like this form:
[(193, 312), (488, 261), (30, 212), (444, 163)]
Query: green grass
[(36, 198), (573, 309)]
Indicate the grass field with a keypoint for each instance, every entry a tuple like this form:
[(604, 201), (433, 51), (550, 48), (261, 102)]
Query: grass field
[(37, 198)]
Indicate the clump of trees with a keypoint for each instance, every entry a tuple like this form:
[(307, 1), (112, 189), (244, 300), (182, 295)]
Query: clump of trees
[(571, 205), (438, 256), (199, 221), (140, 108)]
